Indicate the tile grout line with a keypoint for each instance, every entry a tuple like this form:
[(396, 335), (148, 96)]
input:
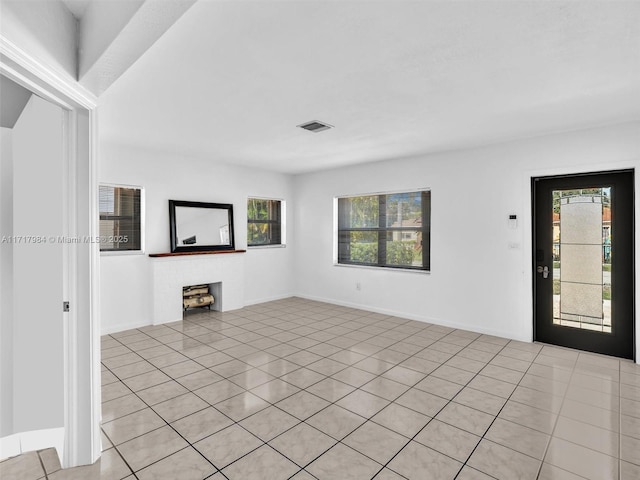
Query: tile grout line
[(497, 414), (330, 377), (555, 423), (166, 424), (191, 445), (326, 356), (44, 470), (441, 338), (619, 420), (265, 443), (448, 402)]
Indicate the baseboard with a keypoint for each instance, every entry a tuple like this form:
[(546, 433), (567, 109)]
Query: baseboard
[(22, 442), (419, 318), (369, 308), (10, 446), (268, 299), (121, 327)]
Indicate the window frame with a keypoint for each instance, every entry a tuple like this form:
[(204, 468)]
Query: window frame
[(281, 223), (383, 230), (141, 250)]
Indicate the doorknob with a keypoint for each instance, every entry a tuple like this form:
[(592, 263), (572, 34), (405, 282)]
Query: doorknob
[(543, 270)]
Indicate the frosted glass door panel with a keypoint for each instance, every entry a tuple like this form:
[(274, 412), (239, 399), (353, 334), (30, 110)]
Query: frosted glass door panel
[(581, 264), (582, 256)]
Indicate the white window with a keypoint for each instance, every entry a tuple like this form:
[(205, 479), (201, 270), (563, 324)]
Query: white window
[(121, 212), (265, 222), (385, 230)]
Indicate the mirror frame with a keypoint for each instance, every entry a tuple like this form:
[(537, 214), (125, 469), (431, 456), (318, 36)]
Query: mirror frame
[(175, 248)]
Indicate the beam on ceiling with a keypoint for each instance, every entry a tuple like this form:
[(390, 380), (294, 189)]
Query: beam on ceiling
[(113, 35)]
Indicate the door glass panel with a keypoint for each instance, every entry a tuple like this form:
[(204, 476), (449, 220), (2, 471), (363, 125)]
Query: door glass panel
[(582, 250)]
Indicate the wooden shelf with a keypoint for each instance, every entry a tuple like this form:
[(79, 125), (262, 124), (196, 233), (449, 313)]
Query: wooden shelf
[(206, 252)]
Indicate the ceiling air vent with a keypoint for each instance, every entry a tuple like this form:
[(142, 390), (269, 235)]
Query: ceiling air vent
[(315, 126)]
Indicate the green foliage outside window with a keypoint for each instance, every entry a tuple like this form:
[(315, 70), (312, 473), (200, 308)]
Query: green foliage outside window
[(398, 253), (385, 230), (264, 226)]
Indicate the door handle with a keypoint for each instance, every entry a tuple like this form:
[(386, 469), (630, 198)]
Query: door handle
[(543, 270)]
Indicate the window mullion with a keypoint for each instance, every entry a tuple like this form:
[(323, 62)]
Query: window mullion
[(382, 232), (426, 230)]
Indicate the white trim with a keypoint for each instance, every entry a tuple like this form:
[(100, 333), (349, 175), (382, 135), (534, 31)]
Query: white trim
[(272, 298), (69, 281), (22, 442), (94, 287), (41, 439), (283, 222), (121, 327), (142, 249), (527, 240), (121, 185), (336, 228), (115, 253), (10, 446), (334, 240), (387, 192), (80, 438), (386, 269), (65, 89), (418, 318)]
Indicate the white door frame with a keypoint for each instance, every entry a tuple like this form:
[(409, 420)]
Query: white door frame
[(527, 245), (82, 443)]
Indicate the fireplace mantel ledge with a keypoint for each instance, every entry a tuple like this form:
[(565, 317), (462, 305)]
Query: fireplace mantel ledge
[(206, 252)]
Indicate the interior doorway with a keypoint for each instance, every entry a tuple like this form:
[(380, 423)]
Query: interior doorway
[(77, 426), (32, 258)]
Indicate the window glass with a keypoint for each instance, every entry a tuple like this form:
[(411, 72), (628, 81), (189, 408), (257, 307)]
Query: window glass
[(385, 230), (120, 218), (264, 222)]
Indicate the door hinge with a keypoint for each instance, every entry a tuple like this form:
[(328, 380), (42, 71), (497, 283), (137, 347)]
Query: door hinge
[(65, 306)]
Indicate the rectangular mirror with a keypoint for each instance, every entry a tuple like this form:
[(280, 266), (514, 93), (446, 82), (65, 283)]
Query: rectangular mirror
[(199, 226)]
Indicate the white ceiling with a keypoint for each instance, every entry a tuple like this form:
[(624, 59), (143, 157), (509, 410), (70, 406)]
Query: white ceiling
[(77, 7), (231, 80)]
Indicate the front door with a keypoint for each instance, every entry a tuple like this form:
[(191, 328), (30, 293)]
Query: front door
[(583, 262)]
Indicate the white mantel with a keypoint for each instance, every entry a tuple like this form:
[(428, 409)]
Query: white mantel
[(169, 274)]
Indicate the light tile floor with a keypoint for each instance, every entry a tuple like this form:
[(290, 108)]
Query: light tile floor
[(301, 389)]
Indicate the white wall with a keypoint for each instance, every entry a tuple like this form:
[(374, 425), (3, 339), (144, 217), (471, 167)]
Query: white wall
[(476, 282), (44, 29), (6, 284), (124, 279), (38, 374), (100, 25)]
